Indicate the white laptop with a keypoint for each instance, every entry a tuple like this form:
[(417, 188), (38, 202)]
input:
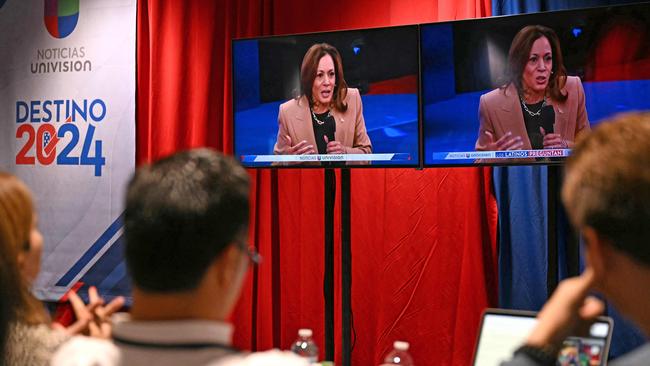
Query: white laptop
[(503, 331)]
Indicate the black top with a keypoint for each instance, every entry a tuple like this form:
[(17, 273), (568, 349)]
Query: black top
[(533, 123), (326, 129)]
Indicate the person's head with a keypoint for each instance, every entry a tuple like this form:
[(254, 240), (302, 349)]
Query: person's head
[(535, 62), (321, 77), (183, 214), (607, 193), (22, 245)]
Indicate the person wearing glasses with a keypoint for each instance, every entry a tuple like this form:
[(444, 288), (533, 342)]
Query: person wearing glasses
[(186, 224), (327, 116), (539, 106)]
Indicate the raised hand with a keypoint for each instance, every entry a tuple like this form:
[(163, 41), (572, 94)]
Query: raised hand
[(552, 140), (300, 148), (334, 147), (570, 311), (506, 142)]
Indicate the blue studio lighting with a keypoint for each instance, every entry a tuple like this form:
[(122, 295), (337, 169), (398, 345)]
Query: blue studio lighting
[(576, 31)]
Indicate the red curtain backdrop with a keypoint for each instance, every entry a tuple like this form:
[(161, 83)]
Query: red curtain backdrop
[(423, 242)]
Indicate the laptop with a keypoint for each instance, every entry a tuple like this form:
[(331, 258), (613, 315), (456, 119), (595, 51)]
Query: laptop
[(503, 331)]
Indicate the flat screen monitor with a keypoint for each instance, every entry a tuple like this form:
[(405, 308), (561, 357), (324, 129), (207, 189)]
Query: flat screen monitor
[(494, 92), (291, 106)]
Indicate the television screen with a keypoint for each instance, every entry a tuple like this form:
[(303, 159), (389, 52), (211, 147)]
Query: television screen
[(333, 99), (521, 89)]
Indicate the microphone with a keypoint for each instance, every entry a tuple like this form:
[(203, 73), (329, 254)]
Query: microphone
[(546, 121), (548, 118), (330, 130)]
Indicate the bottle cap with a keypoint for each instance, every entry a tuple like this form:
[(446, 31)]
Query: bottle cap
[(304, 332), (401, 345)]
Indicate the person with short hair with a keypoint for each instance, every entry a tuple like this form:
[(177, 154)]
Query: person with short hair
[(186, 225), (606, 193)]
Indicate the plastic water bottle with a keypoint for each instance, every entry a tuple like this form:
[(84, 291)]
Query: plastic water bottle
[(399, 355), (305, 347)]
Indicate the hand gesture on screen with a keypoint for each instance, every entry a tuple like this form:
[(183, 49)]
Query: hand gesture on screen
[(506, 142), (300, 148), (553, 140), (334, 147)]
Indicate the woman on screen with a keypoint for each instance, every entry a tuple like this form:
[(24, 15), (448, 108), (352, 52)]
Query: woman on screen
[(327, 116), (539, 107)]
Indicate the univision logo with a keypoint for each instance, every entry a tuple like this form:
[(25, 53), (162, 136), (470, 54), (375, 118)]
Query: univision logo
[(61, 17)]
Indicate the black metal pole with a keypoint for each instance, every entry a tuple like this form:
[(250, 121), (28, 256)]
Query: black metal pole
[(346, 266), (572, 238), (328, 277), (551, 207)]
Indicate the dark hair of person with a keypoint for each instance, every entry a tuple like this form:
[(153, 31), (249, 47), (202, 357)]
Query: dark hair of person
[(309, 69), (181, 213), (16, 220), (520, 53), (607, 186)]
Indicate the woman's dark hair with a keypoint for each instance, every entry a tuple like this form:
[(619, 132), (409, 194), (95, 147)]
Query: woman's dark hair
[(310, 67), (520, 52)]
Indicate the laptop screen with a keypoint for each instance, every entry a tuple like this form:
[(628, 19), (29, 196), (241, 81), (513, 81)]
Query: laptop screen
[(503, 331)]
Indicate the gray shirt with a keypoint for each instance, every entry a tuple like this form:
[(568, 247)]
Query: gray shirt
[(166, 343)]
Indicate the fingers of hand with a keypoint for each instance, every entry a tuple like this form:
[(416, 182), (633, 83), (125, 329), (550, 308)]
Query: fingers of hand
[(553, 141), (591, 308), (287, 139), (94, 300), (306, 149), (106, 328), (78, 327), (574, 290), (335, 147), (78, 306), (509, 142), (490, 136), (297, 147), (113, 306), (94, 329)]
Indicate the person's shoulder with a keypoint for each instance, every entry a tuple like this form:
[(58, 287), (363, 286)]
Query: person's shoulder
[(293, 104), (268, 358), (80, 350), (497, 94), (637, 357), (353, 92), (572, 82)]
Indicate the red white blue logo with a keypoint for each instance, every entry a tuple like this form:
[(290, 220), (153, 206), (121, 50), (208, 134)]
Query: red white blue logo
[(61, 17)]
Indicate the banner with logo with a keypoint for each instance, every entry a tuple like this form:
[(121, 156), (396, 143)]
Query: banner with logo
[(67, 128)]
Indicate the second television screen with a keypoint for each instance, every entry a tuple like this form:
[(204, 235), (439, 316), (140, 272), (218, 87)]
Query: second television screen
[(291, 107), (492, 89)]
